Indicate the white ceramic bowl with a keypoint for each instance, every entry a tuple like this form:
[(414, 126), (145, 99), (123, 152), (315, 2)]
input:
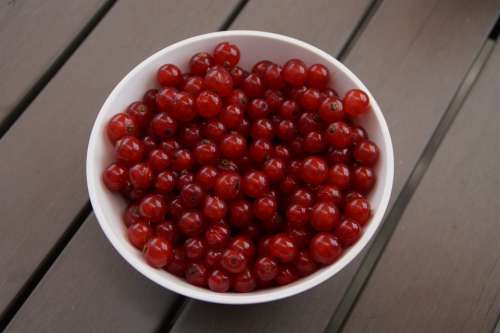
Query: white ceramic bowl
[(254, 46)]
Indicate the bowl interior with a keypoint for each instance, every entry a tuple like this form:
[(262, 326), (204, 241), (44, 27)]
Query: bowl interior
[(255, 46)]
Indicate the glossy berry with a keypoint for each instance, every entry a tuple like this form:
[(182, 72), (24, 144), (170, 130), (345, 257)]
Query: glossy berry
[(197, 274), (318, 76), (233, 146), (191, 224), (311, 99), (167, 230), (358, 209), (289, 110), (297, 216), (253, 86), (158, 252), (314, 170), (169, 76), (260, 150), (274, 169), (158, 160), (182, 160), (255, 184), (238, 98), (240, 213), (366, 153), (200, 63), (206, 176), (193, 85), (219, 281), (348, 232), (238, 74), (295, 72), (363, 179), (183, 108), (133, 216), (153, 207), (314, 142), (165, 99), (286, 275), (140, 113), (191, 195), (324, 216), (304, 264), (212, 258), (273, 78), (194, 249), (339, 176), (141, 176), (266, 268), (214, 208), (227, 185), (149, 98), (219, 81), (226, 54), (231, 116), (282, 248), (178, 265), (258, 108), (233, 261), (325, 248), (130, 150), (356, 103), (139, 234), (244, 282), (329, 193), (262, 129), (208, 104), (206, 153), (339, 135), (214, 130), (115, 177), (264, 208), (216, 237), (331, 110), (245, 245)]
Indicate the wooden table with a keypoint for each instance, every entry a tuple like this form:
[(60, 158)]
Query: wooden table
[(434, 66)]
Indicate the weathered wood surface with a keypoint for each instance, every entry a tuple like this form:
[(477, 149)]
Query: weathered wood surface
[(412, 55), (32, 35), (441, 271), (43, 154)]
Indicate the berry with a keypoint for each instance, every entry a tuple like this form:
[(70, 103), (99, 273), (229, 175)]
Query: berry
[(227, 185), (219, 281), (200, 63), (358, 209), (226, 54), (363, 179), (314, 170), (324, 216), (169, 76), (282, 248), (153, 207), (233, 261), (158, 252), (115, 177), (197, 274), (139, 234), (348, 232), (219, 81), (191, 224), (366, 153), (266, 268), (214, 208), (295, 72), (356, 103), (255, 184), (208, 104), (325, 248)]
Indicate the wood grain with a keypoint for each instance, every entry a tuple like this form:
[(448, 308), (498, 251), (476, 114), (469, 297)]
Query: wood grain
[(32, 35), (440, 272), (413, 56), (90, 288), (43, 154)]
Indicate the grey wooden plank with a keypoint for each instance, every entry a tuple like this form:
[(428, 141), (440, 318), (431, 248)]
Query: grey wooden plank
[(32, 35), (413, 56), (90, 288), (440, 272), (43, 154)]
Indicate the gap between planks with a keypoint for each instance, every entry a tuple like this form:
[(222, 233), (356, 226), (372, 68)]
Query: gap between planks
[(52, 70), (358, 283)]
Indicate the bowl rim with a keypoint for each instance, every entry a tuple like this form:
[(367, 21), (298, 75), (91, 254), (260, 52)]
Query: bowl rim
[(93, 176)]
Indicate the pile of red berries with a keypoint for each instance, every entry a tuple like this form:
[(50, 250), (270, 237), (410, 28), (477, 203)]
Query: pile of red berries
[(241, 181)]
